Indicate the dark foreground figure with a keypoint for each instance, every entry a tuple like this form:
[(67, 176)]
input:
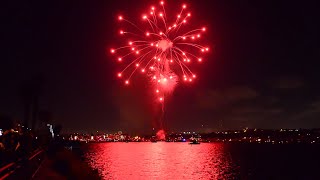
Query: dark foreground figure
[(55, 162), (62, 163)]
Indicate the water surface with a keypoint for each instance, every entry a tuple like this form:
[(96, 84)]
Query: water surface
[(205, 161)]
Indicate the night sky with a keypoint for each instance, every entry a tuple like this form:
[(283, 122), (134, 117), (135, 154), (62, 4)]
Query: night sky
[(262, 71)]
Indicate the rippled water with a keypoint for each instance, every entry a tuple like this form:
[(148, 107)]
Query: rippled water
[(205, 161)]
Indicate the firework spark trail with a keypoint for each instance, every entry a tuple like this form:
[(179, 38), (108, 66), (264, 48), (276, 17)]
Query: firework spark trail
[(159, 47)]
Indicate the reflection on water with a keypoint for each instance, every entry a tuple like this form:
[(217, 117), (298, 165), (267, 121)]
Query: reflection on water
[(204, 161), (161, 161)]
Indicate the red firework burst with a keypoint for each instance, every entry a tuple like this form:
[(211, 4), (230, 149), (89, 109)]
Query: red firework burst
[(161, 49)]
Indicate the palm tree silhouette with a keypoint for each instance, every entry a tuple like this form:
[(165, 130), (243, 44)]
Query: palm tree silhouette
[(30, 92)]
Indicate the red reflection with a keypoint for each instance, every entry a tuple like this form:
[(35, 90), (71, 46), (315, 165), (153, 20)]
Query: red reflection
[(160, 160)]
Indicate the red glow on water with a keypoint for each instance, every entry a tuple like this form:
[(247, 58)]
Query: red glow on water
[(162, 160)]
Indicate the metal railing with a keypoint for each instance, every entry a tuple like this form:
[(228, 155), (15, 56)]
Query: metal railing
[(12, 167)]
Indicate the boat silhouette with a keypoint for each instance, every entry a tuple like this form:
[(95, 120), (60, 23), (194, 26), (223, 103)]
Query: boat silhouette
[(194, 142)]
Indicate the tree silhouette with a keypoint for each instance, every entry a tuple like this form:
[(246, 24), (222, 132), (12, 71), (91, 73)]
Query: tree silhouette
[(6, 122), (30, 92), (45, 117)]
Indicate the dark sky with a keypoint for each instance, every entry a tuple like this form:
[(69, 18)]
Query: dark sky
[(262, 71)]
